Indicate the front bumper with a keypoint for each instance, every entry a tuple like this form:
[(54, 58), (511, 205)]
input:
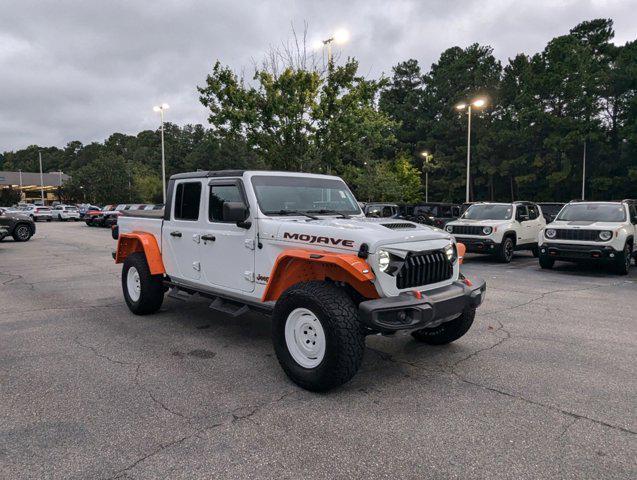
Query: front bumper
[(478, 245), (408, 312), (577, 252)]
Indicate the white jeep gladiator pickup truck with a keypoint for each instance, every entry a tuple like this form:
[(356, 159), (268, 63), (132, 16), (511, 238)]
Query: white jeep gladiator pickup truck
[(297, 246), (603, 232), (499, 228)]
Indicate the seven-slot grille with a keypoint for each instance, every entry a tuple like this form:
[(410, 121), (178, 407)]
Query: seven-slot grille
[(467, 230), (583, 235), (424, 268)]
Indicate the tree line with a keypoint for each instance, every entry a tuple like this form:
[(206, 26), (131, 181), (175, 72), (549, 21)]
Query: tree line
[(543, 112)]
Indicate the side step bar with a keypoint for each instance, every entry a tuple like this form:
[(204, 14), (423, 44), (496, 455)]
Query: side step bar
[(220, 303), (234, 309)]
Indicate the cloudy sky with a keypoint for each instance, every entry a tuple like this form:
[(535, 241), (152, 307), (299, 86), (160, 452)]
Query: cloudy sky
[(84, 69)]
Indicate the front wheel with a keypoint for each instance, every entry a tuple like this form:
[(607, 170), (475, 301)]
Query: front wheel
[(546, 263), (143, 292), (622, 265), (22, 233), (446, 332), (317, 336), (505, 252)]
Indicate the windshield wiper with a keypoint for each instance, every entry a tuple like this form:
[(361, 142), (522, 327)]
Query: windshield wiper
[(330, 212), (292, 212)]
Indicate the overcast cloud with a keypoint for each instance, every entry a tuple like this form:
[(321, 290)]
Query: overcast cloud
[(81, 70)]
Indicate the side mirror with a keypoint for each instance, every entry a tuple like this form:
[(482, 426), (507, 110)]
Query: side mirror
[(236, 212)]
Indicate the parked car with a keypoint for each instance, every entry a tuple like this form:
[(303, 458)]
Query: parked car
[(66, 212), (95, 218), (37, 212), (435, 213), (381, 210), (159, 206), (550, 210), (328, 276), (499, 229), (84, 208), (603, 232), (20, 226)]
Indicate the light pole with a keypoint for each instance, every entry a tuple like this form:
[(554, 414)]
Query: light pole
[(584, 171), (478, 102), (160, 109), (41, 179), (427, 156)]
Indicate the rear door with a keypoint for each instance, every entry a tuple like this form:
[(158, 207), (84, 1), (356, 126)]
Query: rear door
[(537, 222), (181, 233), (525, 233), (227, 250)]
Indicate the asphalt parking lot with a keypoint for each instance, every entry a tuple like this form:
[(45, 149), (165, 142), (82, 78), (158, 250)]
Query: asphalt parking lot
[(543, 386)]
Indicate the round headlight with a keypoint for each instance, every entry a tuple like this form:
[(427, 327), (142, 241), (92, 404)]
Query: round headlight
[(550, 233), (383, 260), (449, 228), (487, 230), (605, 235), (451, 252)]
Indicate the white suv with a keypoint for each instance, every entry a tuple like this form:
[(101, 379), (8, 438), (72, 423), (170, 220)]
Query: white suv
[(499, 228), (66, 212), (597, 231), (37, 212)]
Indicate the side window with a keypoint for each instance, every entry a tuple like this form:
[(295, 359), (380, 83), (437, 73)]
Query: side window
[(219, 194), (187, 199), (386, 212), (521, 211), (533, 212), (633, 213)]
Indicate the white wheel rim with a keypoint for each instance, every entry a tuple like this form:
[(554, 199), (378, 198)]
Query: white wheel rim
[(305, 338), (133, 284)]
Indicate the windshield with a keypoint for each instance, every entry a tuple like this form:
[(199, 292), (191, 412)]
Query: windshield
[(551, 209), (304, 194), (488, 212), (593, 212)]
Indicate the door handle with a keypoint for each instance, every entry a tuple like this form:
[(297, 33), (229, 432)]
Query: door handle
[(208, 238), (175, 234)]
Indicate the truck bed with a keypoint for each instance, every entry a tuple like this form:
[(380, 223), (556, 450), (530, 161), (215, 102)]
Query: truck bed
[(144, 213), (149, 221)]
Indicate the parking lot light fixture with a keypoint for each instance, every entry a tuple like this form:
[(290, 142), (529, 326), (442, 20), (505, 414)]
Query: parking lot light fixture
[(160, 109), (478, 103), (340, 37)]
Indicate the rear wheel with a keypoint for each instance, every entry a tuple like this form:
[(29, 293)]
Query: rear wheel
[(317, 336), (143, 292), (505, 252), (622, 263), (446, 332), (22, 232)]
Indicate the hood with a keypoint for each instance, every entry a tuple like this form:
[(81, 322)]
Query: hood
[(350, 233), (16, 216), (583, 225), (479, 223)]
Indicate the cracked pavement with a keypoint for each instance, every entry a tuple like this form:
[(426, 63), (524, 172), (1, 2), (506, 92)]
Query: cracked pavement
[(542, 386)]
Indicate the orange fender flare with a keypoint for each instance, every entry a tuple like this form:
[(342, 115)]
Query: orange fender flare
[(462, 249), (140, 242), (298, 265)]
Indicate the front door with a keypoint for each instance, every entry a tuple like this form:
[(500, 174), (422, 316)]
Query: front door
[(181, 233), (227, 250)]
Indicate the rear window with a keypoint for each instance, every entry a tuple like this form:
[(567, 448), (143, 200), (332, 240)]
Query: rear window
[(187, 200)]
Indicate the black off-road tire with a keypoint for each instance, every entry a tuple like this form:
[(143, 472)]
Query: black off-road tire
[(22, 232), (535, 251), (151, 291), (506, 249), (546, 263), (622, 262), (345, 342), (446, 332)]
